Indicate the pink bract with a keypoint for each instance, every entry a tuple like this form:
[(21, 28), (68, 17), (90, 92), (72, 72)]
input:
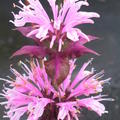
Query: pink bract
[(33, 93)]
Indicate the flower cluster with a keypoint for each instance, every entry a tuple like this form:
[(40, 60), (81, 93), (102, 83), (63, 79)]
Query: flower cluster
[(33, 22), (33, 93), (45, 90)]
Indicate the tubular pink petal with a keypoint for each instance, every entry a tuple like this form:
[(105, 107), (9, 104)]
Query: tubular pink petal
[(52, 41), (40, 106), (60, 45), (93, 104), (80, 75), (54, 8), (67, 81)]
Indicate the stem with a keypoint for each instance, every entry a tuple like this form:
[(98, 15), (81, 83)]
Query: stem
[(52, 112)]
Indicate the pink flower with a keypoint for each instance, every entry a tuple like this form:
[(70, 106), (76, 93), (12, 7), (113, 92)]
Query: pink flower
[(57, 30), (34, 94)]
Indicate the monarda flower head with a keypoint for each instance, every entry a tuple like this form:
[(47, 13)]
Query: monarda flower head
[(33, 22), (33, 94)]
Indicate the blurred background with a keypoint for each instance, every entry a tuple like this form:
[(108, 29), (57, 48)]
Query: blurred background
[(107, 28)]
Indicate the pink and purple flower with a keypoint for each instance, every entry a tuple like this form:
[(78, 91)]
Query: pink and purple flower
[(33, 22), (33, 93)]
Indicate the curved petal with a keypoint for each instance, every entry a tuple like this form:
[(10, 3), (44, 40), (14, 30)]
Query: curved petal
[(93, 104), (40, 106)]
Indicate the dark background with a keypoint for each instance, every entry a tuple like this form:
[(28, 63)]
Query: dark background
[(107, 28)]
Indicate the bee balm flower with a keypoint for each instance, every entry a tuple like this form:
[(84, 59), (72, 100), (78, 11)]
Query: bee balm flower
[(57, 30), (33, 93)]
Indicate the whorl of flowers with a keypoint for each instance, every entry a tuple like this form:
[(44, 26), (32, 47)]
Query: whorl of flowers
[(33, 93), (45, 89), (61, 27), (33, 22)]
